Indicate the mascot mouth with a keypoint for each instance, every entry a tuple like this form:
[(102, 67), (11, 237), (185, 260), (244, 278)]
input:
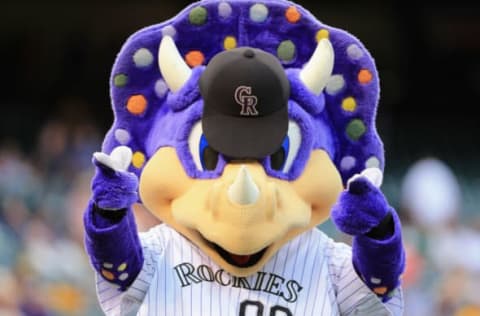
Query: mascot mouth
[(241, 261)]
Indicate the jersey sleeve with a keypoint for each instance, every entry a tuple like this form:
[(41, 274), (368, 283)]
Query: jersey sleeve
[(353, 295), (111, 267)]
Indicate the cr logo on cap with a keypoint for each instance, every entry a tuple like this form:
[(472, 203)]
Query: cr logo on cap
[(244, 97)]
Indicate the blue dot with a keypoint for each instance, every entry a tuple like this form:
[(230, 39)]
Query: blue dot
[(169, 30), (161, 88), (224, 10), (258, 12), (142, 58)]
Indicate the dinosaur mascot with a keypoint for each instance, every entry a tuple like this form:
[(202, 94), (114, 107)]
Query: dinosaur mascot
[(242, 126)]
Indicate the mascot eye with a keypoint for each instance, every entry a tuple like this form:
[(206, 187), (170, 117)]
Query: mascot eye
[(284, 157), (204, 156)]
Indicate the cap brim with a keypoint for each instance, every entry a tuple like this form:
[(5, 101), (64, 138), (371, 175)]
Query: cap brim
[(243, 138)]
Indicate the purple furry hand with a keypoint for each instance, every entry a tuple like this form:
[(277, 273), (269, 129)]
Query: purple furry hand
[(113, 189), (360, 208)]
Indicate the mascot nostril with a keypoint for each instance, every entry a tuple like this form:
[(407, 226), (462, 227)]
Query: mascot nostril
[(242, 126)]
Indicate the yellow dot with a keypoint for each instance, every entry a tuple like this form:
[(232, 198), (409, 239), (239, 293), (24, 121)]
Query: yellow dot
[(349, 104), (229, 42), (380, 290), (108, 275), (323, 33), (138, 159), (122, 267)]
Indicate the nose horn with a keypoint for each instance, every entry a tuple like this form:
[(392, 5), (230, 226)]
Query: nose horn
[(243, 190)]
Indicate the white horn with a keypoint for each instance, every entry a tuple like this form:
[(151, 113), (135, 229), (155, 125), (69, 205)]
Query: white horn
[(243, 190), (318, 69), (173, 68)]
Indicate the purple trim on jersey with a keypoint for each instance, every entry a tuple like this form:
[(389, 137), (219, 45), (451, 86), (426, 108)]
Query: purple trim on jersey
[(113, 245)]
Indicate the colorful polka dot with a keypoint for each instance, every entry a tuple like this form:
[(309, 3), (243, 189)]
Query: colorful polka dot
[(355, 129), (122, 267), (321, 34), (138, 159), (161, 88), (364, 76), (286, 51), (229, 42), (354, 52), (194, 58), (136, 104), (347, 163), (380, 290), (258, 12), (392, 293), (375, 280), (123, 137), (169, 30), (108, 275), (120, 80), (372, 162), (142, 58), (292, 15), (224, 10), (349, 104), (335, 84), (123, 276), (108, 265), (198, 15)]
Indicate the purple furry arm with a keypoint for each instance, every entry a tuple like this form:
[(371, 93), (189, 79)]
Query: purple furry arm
[(112, 243), (380, 262), (378, 255)]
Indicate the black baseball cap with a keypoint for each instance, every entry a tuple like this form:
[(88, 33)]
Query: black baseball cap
[(245, 92)]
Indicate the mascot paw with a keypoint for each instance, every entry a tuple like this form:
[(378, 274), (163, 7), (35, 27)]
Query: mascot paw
[(362, 206), (113, 187)]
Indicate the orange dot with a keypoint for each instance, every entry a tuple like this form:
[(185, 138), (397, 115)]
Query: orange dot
[(194, 58), (136, 104), (365, 76), (292, 14), (108, 275), (380, 290)]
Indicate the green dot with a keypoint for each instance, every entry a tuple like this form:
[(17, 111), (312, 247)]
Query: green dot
[(286, 50), (355, 129), (120, 80), (198, 15)]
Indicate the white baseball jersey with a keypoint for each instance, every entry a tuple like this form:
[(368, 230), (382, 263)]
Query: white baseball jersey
[(310, 275)]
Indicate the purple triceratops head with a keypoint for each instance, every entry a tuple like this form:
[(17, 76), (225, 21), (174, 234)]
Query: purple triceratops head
[(158, 111)]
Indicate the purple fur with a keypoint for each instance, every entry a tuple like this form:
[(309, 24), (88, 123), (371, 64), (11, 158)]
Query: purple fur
[(208, 38), (358, 211), (111, 243), (380, 259), (113, 190)]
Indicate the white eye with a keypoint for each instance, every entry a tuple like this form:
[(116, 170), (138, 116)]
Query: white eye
[(204, 156), (284, 157)]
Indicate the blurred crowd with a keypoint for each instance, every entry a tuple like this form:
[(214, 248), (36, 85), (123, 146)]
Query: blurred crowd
[(44, 270), (43, 266)]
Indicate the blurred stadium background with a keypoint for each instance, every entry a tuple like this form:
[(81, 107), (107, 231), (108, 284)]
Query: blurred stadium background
[(55, 62)]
